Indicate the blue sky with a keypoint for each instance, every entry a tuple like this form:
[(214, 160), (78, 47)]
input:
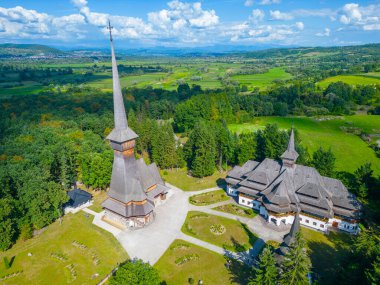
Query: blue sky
[(147, 23)]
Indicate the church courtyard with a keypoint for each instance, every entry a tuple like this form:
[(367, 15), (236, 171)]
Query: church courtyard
[(176, 254)]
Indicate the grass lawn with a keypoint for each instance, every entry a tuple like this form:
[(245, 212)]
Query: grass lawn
[(327, 253), (236, 210), (262, 80), (229, 234), (75, 244), (209, 198), (184, 260), (180, 179), (98, 197), (350, 151), (351, 79)]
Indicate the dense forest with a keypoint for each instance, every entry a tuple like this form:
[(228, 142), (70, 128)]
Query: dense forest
[(56, 137)]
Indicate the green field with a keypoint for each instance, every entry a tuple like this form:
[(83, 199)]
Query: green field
[(28, 87), (262, 80), (362, 79), (350, 151), (201, 264), (76, 244), (235, 236)]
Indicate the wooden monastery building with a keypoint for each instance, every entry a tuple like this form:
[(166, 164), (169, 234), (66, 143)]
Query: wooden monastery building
[(278, 189), (136, 188)]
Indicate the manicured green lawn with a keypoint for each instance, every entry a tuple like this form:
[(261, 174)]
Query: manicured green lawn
[(209, 198), (98, 198), (180, 179), (262, 80), (351, 79), (327, 253), (350, 151), (202, 264), (75, 243), (233, 236), (236, 210)]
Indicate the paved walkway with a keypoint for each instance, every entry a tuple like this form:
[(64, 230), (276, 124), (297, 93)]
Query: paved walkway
[(150, 243), (257, 224)]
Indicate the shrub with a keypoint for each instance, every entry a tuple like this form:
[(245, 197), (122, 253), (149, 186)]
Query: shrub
[(135, 272), (6, 262)]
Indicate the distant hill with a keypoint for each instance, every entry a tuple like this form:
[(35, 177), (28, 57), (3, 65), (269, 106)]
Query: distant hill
[(7, 50), (369, 49)]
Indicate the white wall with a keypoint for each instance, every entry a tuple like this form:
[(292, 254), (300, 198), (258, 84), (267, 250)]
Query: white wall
[(249, 202), (231, 191), (278, 220), (313, 223), (77, 209), (345, 226)]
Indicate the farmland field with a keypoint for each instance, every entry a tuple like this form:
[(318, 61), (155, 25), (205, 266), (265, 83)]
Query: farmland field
[(262, 80), (28, 87), (349, 149), (362, 79)]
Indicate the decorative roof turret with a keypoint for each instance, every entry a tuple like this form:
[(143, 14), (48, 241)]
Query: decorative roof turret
[(121, 132), (291, 236), (289, 157)]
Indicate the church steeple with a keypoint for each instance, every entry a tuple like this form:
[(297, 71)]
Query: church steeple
[(121, 132), (291, 236), (289, 157)]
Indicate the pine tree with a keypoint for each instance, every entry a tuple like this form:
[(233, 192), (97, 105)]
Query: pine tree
[(224, 144), (296, 264), (163, 148), (271, 142), (324, 161), (246, 148), (266, 272), (373, 274), (132, 120), (200, 151)]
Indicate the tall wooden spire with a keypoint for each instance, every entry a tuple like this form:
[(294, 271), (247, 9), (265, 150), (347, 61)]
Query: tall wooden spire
[(121, 132), (119, 110)]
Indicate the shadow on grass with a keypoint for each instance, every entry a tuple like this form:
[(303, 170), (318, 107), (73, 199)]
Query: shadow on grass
[(251, 236), (328, 262), (239, 270)]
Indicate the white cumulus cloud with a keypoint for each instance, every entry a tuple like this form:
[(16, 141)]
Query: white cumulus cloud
[(280, 16), (257, 16), (326, 33), (269, 2), (248, 3)]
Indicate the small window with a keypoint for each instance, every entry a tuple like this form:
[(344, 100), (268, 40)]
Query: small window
[(307, 221), (322, 226), (300, 219), (242, 200), (314, 223)]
